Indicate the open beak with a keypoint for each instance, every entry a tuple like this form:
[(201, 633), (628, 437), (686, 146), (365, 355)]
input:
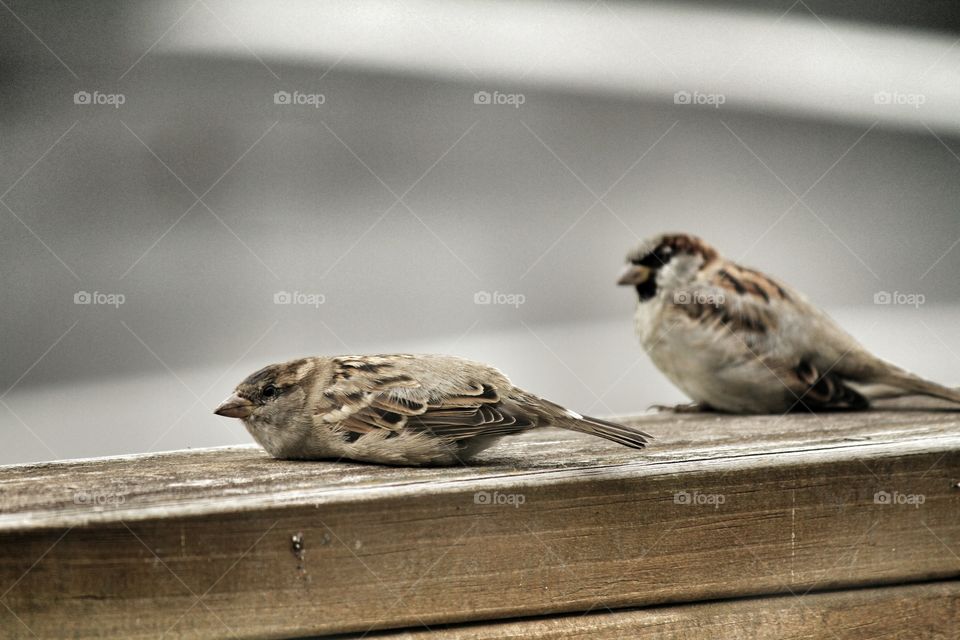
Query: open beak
[(634, 274), (234, 407)]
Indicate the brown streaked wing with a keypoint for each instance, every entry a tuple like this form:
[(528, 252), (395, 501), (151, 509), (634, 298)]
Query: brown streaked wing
[(824, 391), (366, 400), (722, 305), (459, 422)]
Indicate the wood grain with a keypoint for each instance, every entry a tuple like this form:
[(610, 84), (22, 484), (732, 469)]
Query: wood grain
[(201, 543), (930, 611)]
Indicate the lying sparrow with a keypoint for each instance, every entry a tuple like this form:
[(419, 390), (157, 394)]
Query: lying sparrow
[(736, 340), (395, 409)]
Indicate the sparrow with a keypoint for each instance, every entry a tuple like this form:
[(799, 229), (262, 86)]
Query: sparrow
[(397, 409), (738, 341)]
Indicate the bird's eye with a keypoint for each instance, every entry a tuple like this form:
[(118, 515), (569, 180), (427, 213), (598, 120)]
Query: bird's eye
[(662, 255), (269, 391)]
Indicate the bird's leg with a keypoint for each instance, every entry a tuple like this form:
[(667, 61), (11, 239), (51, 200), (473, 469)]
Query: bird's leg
[(690, 407)]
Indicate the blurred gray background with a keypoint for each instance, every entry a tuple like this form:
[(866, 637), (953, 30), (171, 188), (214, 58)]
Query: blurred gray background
[(817, 141)]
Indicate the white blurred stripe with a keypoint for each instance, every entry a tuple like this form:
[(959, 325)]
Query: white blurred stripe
[(797, 64)]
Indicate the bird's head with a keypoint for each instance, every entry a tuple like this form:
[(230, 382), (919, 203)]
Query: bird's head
[(665, 262), (273, 403)]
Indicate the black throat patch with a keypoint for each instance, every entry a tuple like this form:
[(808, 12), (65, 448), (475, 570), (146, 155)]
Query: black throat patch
[(648, 288)]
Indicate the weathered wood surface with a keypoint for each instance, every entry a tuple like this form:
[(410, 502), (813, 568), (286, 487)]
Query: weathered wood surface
[(930, 611), (200, 543)]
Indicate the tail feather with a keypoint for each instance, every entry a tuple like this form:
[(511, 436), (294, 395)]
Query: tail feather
[(619, 433), (915, 384)]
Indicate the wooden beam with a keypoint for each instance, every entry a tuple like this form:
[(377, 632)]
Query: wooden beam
[(229, 542), (930, 610)]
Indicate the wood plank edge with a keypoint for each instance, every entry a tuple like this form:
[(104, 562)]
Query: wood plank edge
[(700, 619)]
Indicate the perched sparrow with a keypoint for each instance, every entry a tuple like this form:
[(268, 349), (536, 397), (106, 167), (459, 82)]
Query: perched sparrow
[(736, 340), (395, 409)]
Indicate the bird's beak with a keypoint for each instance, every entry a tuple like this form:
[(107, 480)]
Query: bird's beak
[(634, 274), (234, 407)]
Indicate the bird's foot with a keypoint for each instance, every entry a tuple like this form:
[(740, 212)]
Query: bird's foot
[(690, 407)]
